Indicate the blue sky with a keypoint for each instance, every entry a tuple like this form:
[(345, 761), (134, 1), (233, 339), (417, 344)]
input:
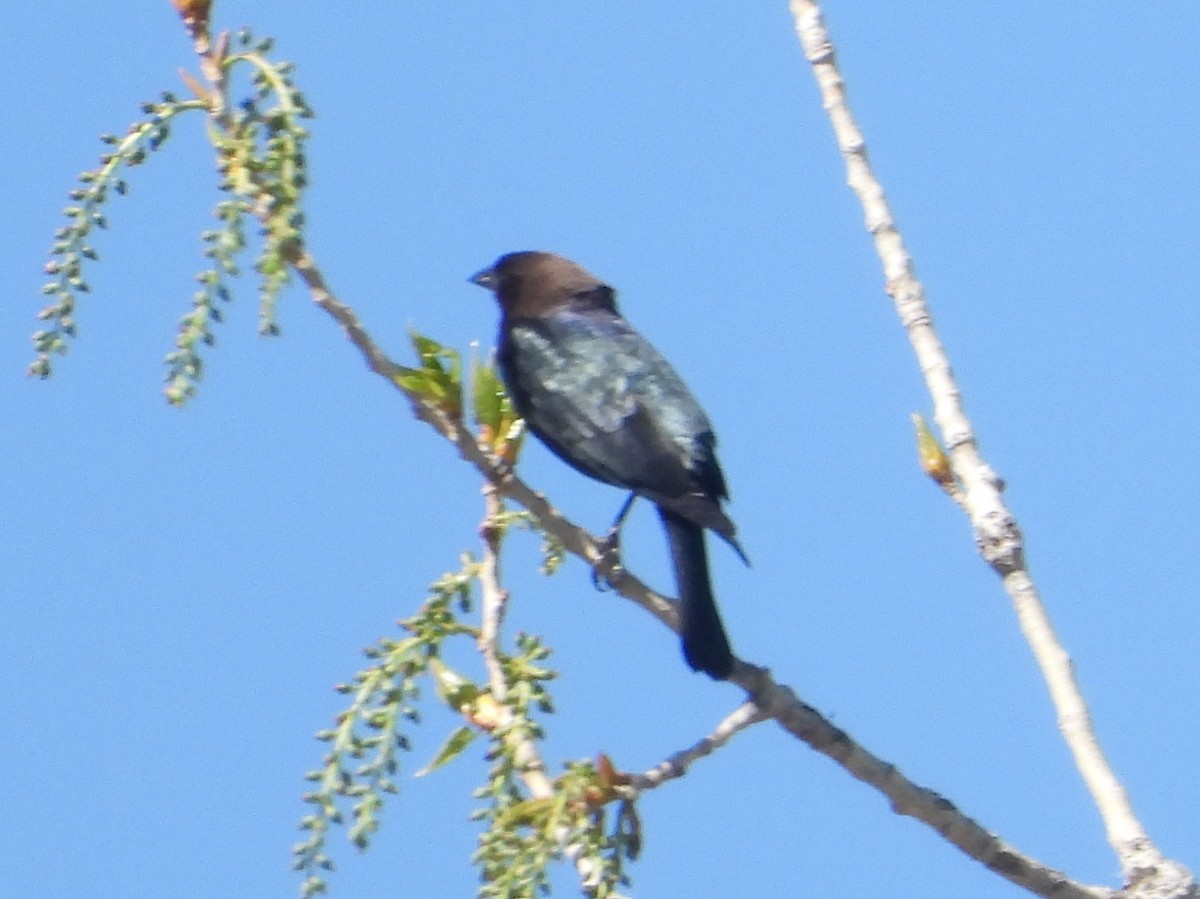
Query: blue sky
[(182, 589)]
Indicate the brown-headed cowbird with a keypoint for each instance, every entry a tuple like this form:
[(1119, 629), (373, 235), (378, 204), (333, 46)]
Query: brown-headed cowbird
[(607, 403)]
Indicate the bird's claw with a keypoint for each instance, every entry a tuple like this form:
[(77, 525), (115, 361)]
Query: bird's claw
[(609, 562)]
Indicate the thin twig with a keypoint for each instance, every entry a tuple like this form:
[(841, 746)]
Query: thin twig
[(526, 758), (744, 716), (996, 530)]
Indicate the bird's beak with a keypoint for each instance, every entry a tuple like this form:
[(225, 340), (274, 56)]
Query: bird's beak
[(485, 278)]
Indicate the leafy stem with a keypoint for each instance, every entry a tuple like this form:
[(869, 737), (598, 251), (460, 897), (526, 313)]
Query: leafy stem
[(72, 248)]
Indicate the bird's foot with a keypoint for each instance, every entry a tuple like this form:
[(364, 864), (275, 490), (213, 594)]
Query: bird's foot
[(608, 566)]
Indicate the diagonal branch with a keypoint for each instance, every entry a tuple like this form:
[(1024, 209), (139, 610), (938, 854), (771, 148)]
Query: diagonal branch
[(996, 530), (768, 698), (910, 799)]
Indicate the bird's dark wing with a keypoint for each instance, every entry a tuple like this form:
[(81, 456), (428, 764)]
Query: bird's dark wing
[(609, 404)]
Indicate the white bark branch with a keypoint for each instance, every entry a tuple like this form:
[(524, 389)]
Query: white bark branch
[(996, 531), (494, 602)]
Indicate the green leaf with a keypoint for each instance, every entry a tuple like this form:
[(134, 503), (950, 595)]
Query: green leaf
[(450, 750), (934, 460), (489, 396), (454, 689), (527, 813), (500, 427), (441, 374)]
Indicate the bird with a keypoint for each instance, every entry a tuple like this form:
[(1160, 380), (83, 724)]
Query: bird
[(607, 403)]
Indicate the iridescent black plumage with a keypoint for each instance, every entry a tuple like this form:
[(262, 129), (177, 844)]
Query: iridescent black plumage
[(607, 403)]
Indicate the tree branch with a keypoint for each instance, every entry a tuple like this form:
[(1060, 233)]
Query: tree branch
[(744, 716), (526, 758), (997, 533), (912, 800), (494, 603), (769, 698)]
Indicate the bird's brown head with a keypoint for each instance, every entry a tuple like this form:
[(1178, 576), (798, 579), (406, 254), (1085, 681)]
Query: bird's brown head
[(531, 283)]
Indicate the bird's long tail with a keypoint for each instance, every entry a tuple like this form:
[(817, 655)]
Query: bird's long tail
[(705, 644)]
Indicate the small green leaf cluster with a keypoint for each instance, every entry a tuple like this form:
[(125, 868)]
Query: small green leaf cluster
[(271, 121), (553, 552), (512, 856), (185, 367), (526, 835), (261, 159), (366, 738), (501, 429), (585, 793), (260, 145), (72, 247), (438, 378)]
